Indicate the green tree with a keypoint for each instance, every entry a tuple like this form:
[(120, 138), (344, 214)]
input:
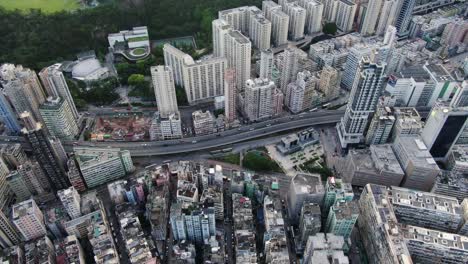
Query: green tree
[(330, 28), (136, 80)]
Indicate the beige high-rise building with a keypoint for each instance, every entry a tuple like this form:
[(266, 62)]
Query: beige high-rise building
[(55, 85), (29, 220), (330, 83), (238, 53), (371, 16), (230, 95), (164, 90), (290, 66), (203, 122), (345, 15), (58, 118), (279, 27), (258, 99), (260, 30), (220, 28), (297, 21)]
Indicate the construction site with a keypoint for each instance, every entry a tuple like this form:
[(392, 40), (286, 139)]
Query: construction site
[(132, 127)]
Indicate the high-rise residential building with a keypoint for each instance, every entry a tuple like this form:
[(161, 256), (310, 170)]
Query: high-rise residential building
[(345, 13), (236, 17), (258, 99), (342, 217), (303, 188), (297, 20), (6, 195), (355, 56), (443, 128), (310, 222), (44, 152), (268, 7), (102, 165), (381, 125), (230, 95), (455, 32), (377, 165), (266, 64), (290, 66), (13, 154), (58, 118), (277, 102), (71, 200), (29, 179), (387, 16), (463, 230), (404, 15), (174, 58), (203, 79), (325, 248), (220, 28), (443, 85), (163, 128), (55, 85), (259, 30), (329, 83), (329, 10), (74, 175), (22, 87), (365, 93), (424, 209), (164, 90), (298, 93), (407, 122), (314, 13), (379, 228), (8, 116), (9, 235), (238, 52), (460, 99), (29, 220), (203, 123), (279, 27), (370, 17), (336, 189), (420, 168)]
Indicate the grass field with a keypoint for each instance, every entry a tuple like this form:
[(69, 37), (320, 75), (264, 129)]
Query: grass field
[(48, 6)]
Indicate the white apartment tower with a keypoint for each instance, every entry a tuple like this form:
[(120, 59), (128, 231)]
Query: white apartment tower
[(345, 15), (314, 13), (290, 66), (236, 17), (55, 85), (203, 79), (297, 20), (174, 58), (238, 53), (279, 27), (268, 7), (355, 55), (220, 29), (364, 96), (260, 31), (71, 200), (29, 220), (230, 96), (164, 90), (258, 99), (266, 64), (387, 16), (371, 16), (330, 8)]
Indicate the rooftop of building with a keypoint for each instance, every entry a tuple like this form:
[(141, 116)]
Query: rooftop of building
[(377, 159), (335, 184), (91, 156), (425, 200), (417, 152), (39, 251), (239, 37), (308, 183), (23, 208), (345, 209), (439, 238), (439, 72), (416, 72)]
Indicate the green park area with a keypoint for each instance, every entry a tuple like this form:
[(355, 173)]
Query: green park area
[(48, 6)]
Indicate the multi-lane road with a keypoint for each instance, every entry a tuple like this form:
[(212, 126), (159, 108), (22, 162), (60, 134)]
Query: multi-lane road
[(213, 141)]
